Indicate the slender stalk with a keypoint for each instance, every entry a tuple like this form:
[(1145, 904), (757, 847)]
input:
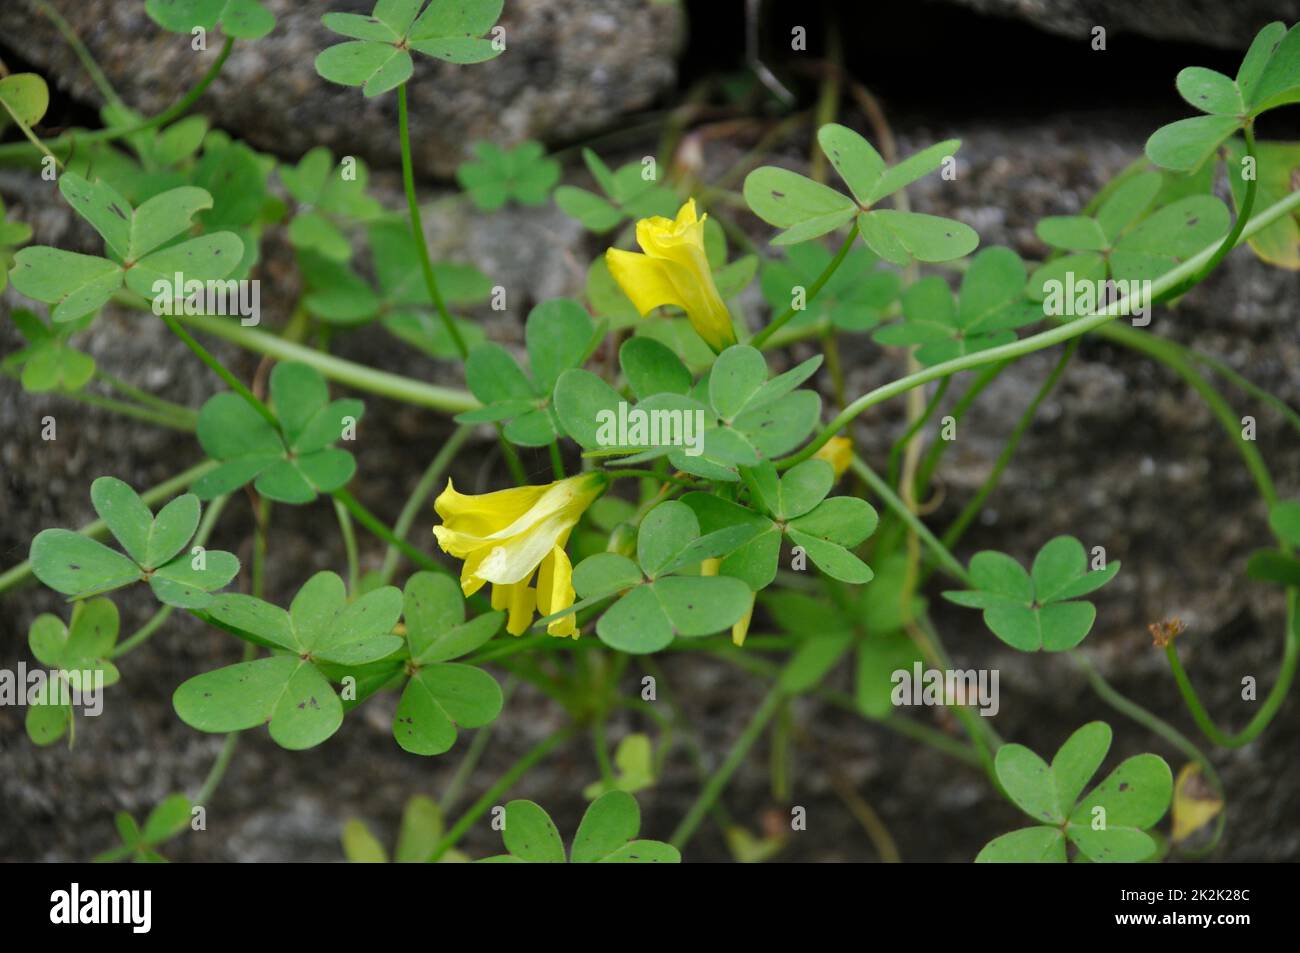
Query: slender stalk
[(557, 461), (79, 50), (182, 106), (180, 411), (1036, 342), (405, 389), (233, 382), (931, 462), (896, 451), (140, 635), (417, 227), (976, 503), (492, 794), (718, 780), (26, 130), (349, 545), (97, 528), (423, 490), (218, 769), (882, 489), (135, 411), (478, 744), (759, 339), (377, 527), (1157, 726)]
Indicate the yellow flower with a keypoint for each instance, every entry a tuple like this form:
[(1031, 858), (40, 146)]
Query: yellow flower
[(674, 270), (838, 452), (505, 537), (710, 567)]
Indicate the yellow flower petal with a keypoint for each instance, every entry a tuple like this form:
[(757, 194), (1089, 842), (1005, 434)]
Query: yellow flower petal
[(519, 601), (555, 591), (741, 628), (643, 279)]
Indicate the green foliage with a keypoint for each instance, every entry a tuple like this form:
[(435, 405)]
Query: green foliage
[(48, 362), (139, 241), (291, 463), (1036, 610), (441, 695), (498, 175), (988, 309), (157, 551), (656, 600), (12, 235), (78, 656), (241, 19), (634, 768), (1270, 565), (559, 336), (165, 821), (1109, 825), (806, 209), (23, 97), (330, 199), (607, 835), (1269, 77), (631, 192), (378, 57), (422, 828), (854, 299)]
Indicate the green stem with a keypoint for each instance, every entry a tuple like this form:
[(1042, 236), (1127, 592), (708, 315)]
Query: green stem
[(896, 451), (377, 527), (1157, 726), (926, 472), (71, 140), (98, 528), (976, 503), (492, 794), (135, 411), (910, 519), (417, 227), (1036, 342), (472, 755), (786, 316), (557, 461), (233, 382), (218, 770), (718, 780), (405, 389), (1230, 240), (1272, 703), (79, 50), (423, 490), (349, 545), (180, 411)]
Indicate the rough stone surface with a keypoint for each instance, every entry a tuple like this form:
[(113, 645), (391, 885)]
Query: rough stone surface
[(1122, 454), (1229, 25), (567, 70)]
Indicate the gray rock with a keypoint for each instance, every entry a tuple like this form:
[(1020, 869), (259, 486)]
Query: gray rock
[(568, 70), (1229, 25)]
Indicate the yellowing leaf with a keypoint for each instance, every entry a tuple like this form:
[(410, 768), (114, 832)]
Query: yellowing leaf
[(1194, 805)]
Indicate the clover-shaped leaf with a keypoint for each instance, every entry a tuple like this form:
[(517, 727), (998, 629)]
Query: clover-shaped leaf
[(990, 304), (290, 464), (1036, 610), (137, 239), (441, 695), (170, 817), (1269, 76), (793, 505), (1108, 826), (633, 766), (498, 175), (606, 835), (630, 192), (241, 19), (330, 198), (1277, 243), (808, 209), (656, 604), (854, 299), (77, 657), (1120, 243), (378, 58), (559, 336), (48, 362), (156, 548), (287, 690)]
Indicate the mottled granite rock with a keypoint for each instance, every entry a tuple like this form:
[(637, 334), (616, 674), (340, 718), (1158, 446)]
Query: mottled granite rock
[(568, 69)]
